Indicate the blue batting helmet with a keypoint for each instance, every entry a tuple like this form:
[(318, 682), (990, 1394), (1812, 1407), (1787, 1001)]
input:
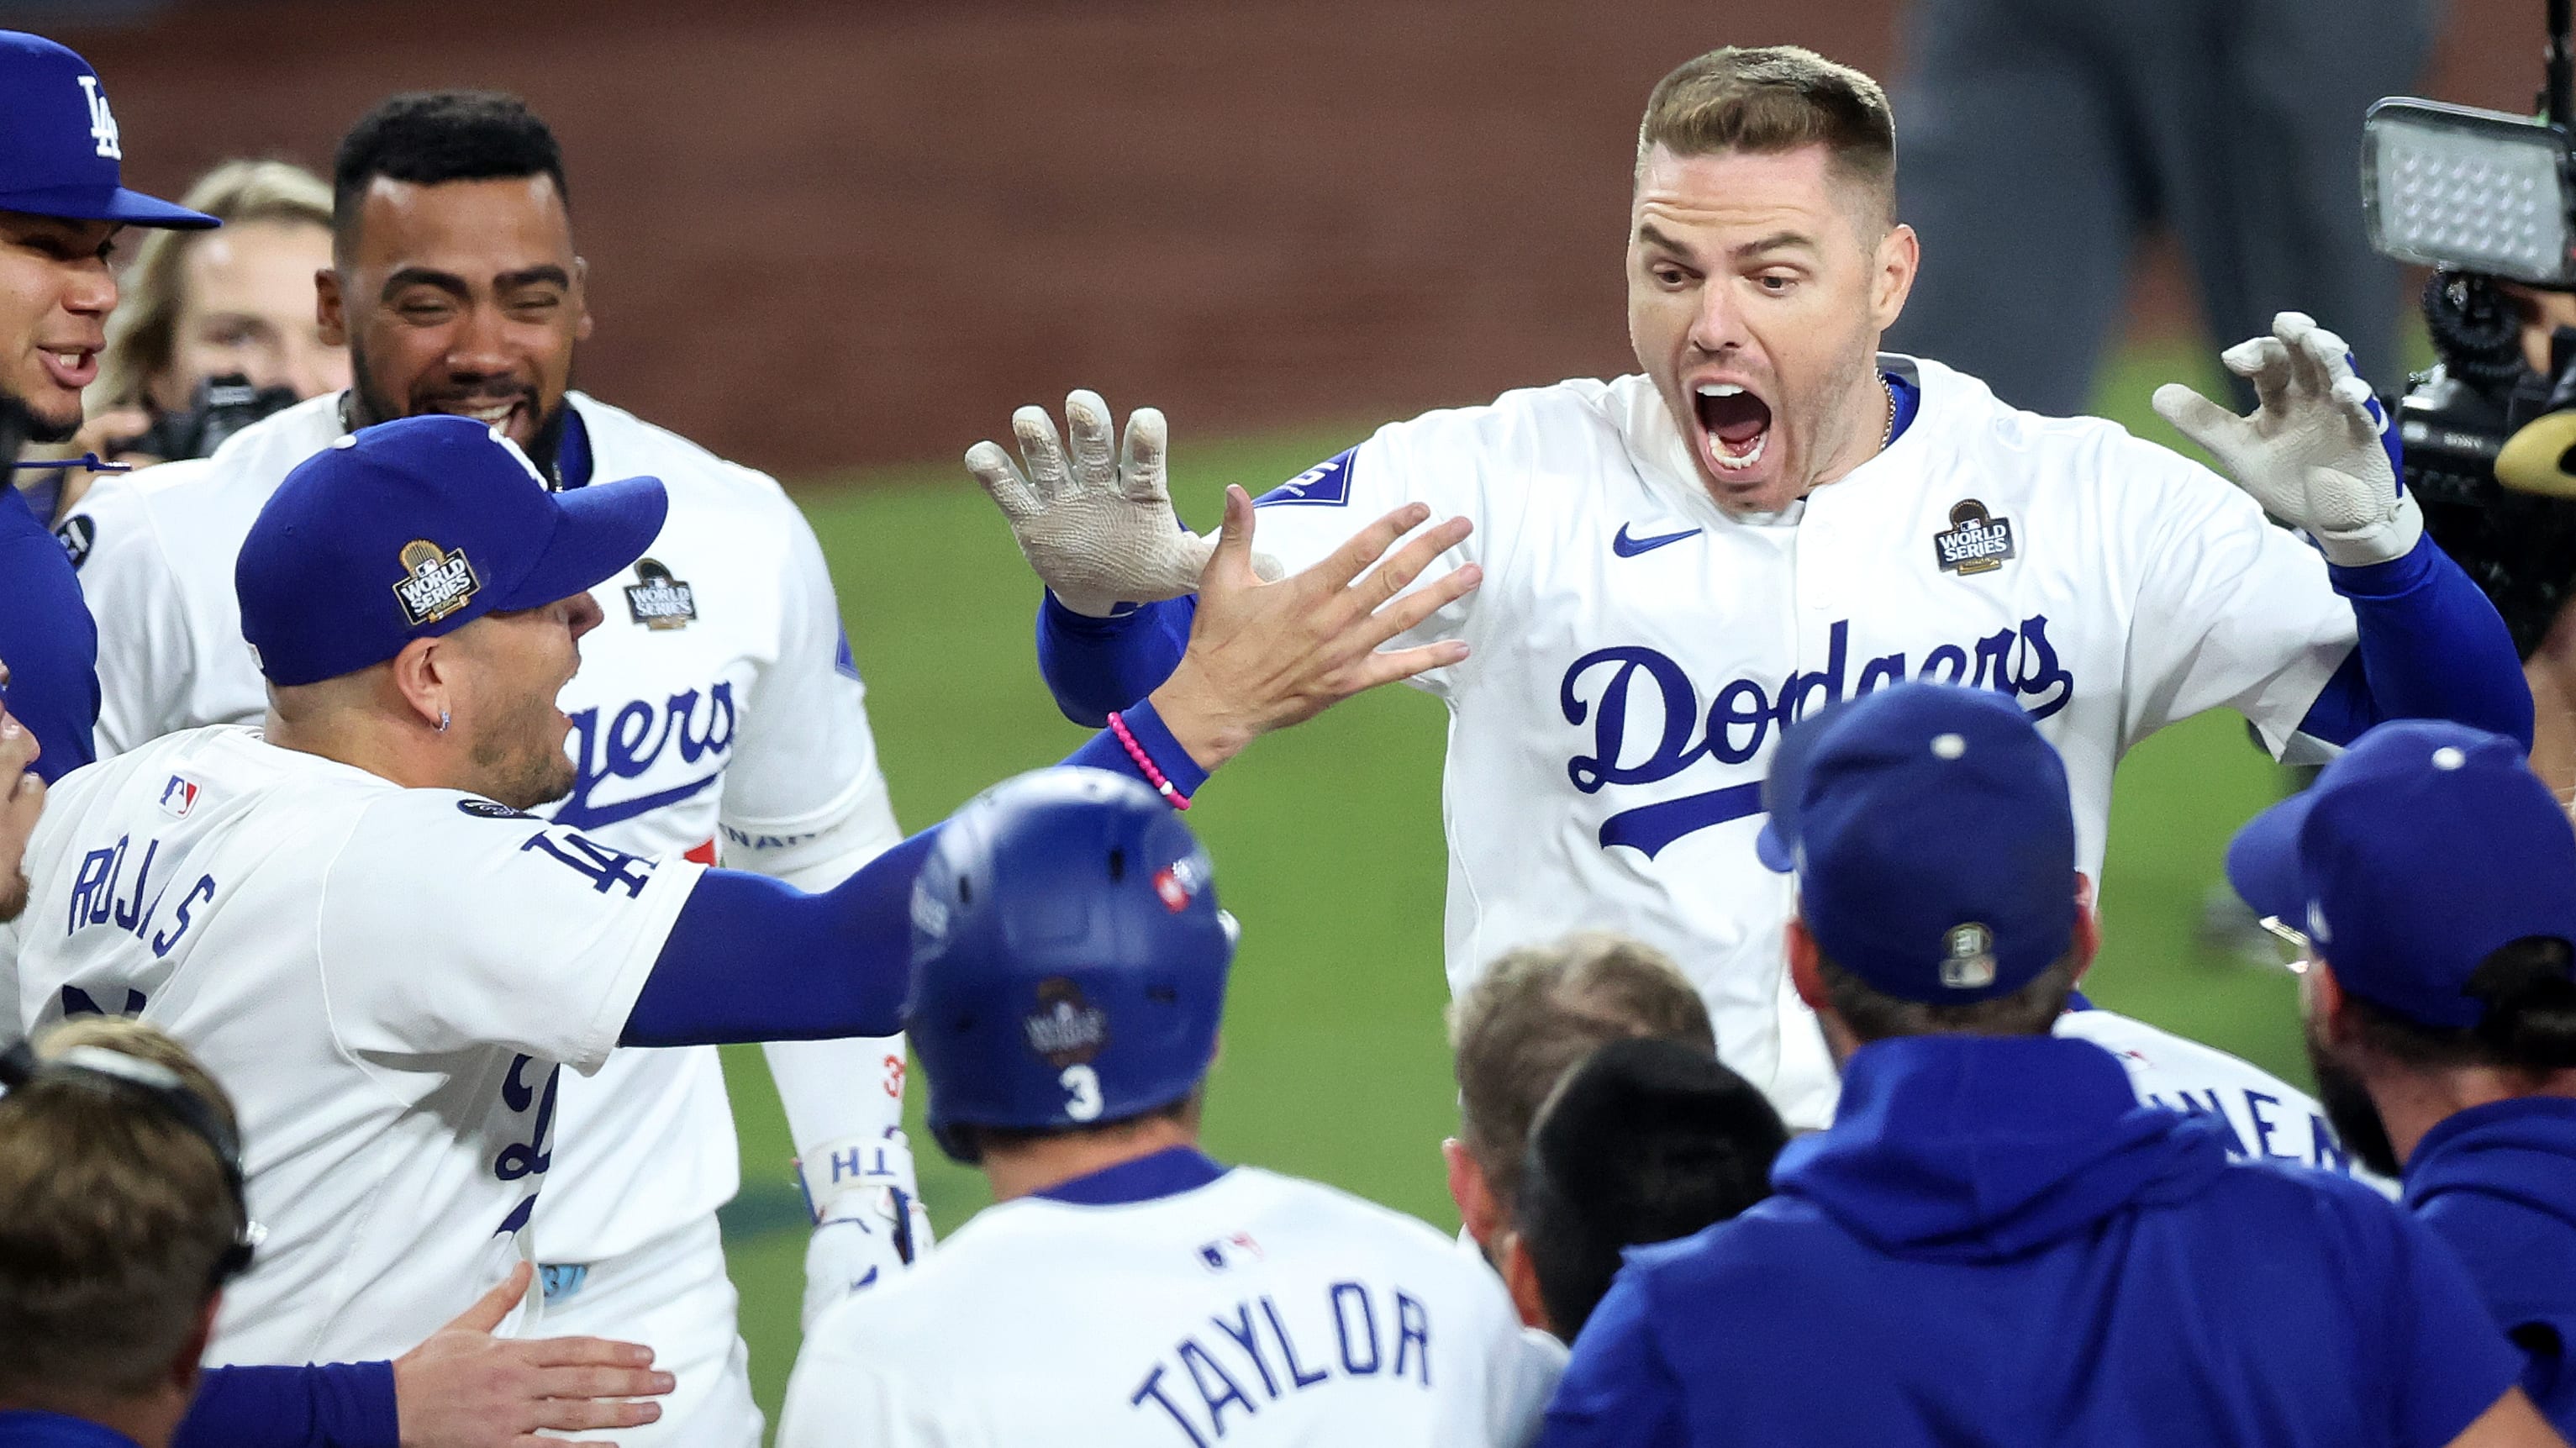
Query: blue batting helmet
[(1068, 958)]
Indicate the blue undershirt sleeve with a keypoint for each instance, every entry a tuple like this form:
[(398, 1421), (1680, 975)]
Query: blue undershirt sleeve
[(48, 641), (755, 959), (327, 1405), (1094, 665), (2432, 647)]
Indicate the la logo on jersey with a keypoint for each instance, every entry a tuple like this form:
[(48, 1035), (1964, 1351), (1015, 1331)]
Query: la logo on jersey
[(178, 797), (436, 582), (102, 121), (1975, 543), (657, 600)]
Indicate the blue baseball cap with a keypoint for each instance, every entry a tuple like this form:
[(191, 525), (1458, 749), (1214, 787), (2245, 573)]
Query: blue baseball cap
[(2415, 855), (1933, 839), (416, 528), (59, 151)]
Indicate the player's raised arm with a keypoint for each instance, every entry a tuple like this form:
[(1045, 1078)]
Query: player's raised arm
[(739, 962), (2320, 454), (1095, 521)]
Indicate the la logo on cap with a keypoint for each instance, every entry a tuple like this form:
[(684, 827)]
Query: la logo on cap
[(102, 121), (1969, 962), (437, 582)]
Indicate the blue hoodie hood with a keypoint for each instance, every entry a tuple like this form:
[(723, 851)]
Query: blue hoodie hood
[(1974, 1149), (2522, 1151)]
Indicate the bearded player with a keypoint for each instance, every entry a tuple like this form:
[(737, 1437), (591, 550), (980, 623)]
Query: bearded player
[(1773, 515), (717, 712)]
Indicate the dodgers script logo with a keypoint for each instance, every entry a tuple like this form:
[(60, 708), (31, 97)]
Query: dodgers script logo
[(436, 582), (699, 728), (102, 121), (1607, 688)]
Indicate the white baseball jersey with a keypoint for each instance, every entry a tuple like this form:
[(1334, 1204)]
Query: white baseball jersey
[(1256, 1309), (383, 978), (1636, 650), (717, 702), (2265, 1116)]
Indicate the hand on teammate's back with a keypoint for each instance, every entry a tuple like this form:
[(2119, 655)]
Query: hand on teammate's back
[(465, 1388), (1263, 656), (1098, 529)]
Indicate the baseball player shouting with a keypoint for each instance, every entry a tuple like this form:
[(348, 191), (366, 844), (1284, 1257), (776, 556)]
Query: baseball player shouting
[(1068, 972), (348, 916), (1771, 515), (718, 710)]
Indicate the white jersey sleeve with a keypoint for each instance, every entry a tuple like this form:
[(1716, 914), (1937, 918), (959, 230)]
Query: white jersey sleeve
[(543, 937), (804, 800), (145, 647), (2231, 611)]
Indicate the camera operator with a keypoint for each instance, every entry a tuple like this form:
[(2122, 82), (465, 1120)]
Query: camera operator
[(2507, 371), (121, 1217), (216, 331)]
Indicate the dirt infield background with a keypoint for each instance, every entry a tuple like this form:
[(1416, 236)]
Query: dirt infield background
[(833, 232)]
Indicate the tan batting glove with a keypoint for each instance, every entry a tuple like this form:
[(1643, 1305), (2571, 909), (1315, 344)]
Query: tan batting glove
[(2311, 453), (1099, 528)]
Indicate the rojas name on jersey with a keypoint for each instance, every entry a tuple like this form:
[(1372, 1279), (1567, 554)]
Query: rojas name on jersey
[(1617, 690)]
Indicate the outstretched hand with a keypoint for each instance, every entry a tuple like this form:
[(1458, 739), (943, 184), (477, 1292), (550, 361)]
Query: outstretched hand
[(1098, 528), (2314, 451), (1263, 656), (465, 1388)]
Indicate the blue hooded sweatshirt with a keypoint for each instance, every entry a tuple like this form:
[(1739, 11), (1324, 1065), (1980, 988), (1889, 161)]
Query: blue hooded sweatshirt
[(1996, 1244), (2498, 1183)]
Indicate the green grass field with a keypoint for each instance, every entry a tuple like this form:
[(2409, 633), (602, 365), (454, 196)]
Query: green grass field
[(1327, 841)]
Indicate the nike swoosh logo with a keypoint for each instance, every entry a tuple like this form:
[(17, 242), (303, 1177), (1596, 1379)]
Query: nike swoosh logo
[(1627, 547)]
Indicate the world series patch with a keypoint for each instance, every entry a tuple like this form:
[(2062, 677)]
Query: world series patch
[(1975, 543), (659, 601), (436, 582)]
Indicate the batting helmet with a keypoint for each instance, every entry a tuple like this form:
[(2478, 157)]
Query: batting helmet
[(1068, 958)]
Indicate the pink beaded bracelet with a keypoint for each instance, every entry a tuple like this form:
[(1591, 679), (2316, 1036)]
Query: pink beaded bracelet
[(1145, 762)]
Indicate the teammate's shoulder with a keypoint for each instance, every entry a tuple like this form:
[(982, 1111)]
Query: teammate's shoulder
[(1354, 1218), (1963, 411), (1524, 412), (623, 445)]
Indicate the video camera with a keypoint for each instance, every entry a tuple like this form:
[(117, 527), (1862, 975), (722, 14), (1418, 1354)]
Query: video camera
[(2488, 199)]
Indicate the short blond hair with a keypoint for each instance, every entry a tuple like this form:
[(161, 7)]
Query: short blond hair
[(1536, 1014), (114, 1218), (143, 332), (1774, 98)]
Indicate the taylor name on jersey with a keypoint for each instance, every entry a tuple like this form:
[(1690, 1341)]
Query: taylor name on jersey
[(1636, 650)]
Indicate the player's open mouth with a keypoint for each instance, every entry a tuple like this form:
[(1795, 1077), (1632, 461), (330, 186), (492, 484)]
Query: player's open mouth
[(72, 368), (1735, 425)]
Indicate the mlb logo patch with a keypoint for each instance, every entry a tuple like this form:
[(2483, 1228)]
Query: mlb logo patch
[(1325, 485), (1232, 1250), (178, 797)]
